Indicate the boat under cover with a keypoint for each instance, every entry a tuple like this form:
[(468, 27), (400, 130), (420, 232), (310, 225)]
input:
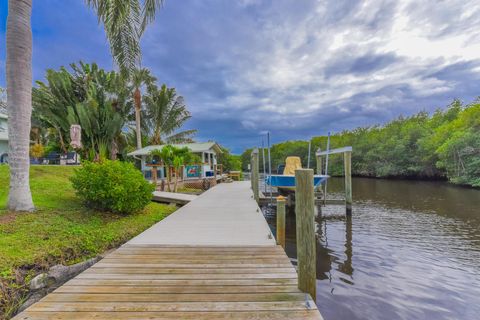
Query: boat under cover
[(288, 181)]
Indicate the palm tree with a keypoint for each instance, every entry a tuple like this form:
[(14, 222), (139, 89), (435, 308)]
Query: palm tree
[(140, 78), (98, 100), (19, 102), (165, 113), (124, 23), (52, 99)]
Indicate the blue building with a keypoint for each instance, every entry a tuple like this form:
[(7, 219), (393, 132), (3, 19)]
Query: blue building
[(207, 152)]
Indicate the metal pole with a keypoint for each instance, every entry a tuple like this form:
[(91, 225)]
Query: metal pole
[(269, 166), (281, 221), (255, 174), (309, 150), (326, 170), (347, 158), (264, 168)]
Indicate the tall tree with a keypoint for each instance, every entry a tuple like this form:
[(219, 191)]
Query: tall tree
[(19, 102), (140, 78), (96, 99), (124, 23)]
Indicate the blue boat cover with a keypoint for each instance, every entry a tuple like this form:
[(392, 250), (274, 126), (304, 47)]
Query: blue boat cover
[(289, 180)]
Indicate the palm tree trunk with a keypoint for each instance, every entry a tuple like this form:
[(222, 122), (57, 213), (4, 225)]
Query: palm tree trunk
[(19, 102), (175, 187), (138, 107), (169, 189), (62, 143)]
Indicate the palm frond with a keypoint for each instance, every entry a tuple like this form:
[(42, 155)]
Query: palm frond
[(182, 137), (149, 10), (124, 22), (121, 20), (165, 113)]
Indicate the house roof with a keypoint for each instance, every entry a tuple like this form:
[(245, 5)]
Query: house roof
[(194, 147)]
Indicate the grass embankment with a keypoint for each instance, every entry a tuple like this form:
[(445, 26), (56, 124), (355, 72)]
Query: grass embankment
[(62, 230), (189, 190)]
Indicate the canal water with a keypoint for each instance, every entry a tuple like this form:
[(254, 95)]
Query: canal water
[(411, 250)]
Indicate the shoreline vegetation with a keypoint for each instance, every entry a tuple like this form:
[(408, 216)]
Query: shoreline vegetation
[(444, 145), (61, 231)]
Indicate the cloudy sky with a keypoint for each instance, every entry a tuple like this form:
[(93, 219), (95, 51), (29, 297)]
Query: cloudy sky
[(296, 68)]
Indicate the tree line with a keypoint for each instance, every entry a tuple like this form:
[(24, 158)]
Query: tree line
[(442, 145)]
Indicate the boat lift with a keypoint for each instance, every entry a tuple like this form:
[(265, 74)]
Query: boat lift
[(287, 182)]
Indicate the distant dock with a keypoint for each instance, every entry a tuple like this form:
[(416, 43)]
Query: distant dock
[(214, 258)]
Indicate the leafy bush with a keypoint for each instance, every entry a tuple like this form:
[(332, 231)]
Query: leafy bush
[(113, 186)]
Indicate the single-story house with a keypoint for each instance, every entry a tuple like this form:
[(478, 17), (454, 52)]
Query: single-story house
[(207, 151), (3, 137)]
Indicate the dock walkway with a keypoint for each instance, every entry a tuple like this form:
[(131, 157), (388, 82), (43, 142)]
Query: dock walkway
[(214, 258)]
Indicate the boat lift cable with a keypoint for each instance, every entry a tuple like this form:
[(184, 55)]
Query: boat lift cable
[(326, 170)]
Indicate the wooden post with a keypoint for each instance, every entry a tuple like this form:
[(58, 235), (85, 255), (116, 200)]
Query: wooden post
[(255, 174), (319, 164), (251, 171), (281, 221), (347, 157), (154, 176), (305, 215)]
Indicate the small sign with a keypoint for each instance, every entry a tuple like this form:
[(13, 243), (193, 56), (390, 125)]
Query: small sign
[(193, 171), (76, 136)]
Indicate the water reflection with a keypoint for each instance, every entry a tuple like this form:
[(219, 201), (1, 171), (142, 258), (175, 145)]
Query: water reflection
[(411, 250)]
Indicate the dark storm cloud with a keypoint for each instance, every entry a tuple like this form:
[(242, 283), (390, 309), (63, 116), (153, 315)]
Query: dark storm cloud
[(296, 68), (349, 64)]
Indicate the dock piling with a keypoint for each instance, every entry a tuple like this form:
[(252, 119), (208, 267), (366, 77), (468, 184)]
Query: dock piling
[(255, 178), (347, 157), (305, 215), (281, 221)]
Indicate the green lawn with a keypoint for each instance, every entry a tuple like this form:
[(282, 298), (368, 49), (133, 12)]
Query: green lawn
[(60, 231)]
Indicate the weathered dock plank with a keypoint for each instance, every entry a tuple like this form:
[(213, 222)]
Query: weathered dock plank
[(198, 275), (172, 197), (137, 315)]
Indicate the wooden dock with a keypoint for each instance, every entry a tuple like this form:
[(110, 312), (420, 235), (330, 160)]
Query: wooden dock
[(214, 259)]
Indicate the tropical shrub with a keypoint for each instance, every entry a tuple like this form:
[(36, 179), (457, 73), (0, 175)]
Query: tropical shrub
[(174, 157), (95, 99), (112, 186)]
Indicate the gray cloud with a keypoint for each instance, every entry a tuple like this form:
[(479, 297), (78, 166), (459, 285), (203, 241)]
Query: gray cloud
[(296, 68)]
